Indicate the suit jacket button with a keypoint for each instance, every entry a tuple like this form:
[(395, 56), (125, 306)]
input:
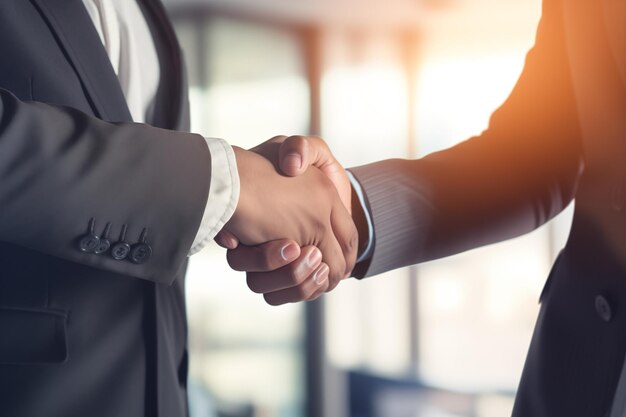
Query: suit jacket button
[(603, 308), (104, 243), (120, 251), (89, 243), (102, 247), (140, 253)]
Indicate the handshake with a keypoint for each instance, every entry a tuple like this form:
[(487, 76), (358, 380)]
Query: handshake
[(293, 230)]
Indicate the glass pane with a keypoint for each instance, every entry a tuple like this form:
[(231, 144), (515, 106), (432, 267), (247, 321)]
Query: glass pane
[(364, 118), (246, 356), (256, 84), (477, 310), (364, 96)]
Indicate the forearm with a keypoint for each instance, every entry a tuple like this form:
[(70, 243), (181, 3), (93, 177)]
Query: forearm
[(514, 177), (460, 199), (61, 168)]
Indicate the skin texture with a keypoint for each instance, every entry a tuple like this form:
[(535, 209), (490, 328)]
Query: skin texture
[(308, 209), (281, 270)]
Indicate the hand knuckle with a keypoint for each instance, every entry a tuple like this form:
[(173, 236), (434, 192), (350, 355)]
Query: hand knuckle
[(315, 296), (333, 281), (271, 300), (319, 292), (340, 271), (350, 243), (253, 284), (295, 276), (301, 292), (231, 258), (320, 228), (354, 240)]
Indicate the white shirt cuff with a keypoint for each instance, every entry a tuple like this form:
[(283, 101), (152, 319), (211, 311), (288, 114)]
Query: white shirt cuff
[(223, 193)]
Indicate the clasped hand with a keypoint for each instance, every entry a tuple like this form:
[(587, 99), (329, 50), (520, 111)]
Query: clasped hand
[(294, 236)]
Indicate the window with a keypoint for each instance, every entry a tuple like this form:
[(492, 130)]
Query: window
[(247, 85), (461, 324), (445, 337)]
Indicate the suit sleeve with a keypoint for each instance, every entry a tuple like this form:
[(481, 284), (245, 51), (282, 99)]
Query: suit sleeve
[(59, 168), (514, 177)]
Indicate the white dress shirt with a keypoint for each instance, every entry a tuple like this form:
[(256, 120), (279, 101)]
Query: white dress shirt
[(127, 39)]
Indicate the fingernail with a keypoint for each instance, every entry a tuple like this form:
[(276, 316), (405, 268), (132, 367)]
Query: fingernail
[(314, 258), (289, 252), (293, 160), (231, 242), (321, 275)]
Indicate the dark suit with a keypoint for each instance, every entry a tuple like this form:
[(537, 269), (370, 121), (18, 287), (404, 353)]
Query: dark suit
[(83, 334), (560, 135)]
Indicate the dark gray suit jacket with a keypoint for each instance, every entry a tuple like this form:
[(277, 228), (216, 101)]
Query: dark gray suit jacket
[(560, 135), (83, 334)]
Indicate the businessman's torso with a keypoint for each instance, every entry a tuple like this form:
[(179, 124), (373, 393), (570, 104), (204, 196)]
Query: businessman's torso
[(577, 353), (77, 341), (596, 46)]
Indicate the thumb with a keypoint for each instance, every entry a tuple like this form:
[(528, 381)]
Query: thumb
[(295, 156), (226, 239), (298, 153)]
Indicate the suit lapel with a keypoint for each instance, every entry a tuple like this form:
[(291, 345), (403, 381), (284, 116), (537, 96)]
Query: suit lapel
[(81, 43)]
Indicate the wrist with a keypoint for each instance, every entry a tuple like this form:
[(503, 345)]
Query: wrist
[(240, 158)]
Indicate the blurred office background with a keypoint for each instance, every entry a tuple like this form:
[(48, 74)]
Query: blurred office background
[(378, 79)]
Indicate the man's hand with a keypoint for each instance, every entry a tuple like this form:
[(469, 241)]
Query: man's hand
[(306, 209), (280, 269), (298, 153)]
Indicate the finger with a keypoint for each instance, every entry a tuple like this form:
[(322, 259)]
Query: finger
[(266, 257), (294, 155), (318, 281), (347, 236), (324, 287), (297, 153), (288, 276), (332, 255), (227, 240)]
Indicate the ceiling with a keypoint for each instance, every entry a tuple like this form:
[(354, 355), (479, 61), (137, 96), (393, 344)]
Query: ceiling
[(391, 13)]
